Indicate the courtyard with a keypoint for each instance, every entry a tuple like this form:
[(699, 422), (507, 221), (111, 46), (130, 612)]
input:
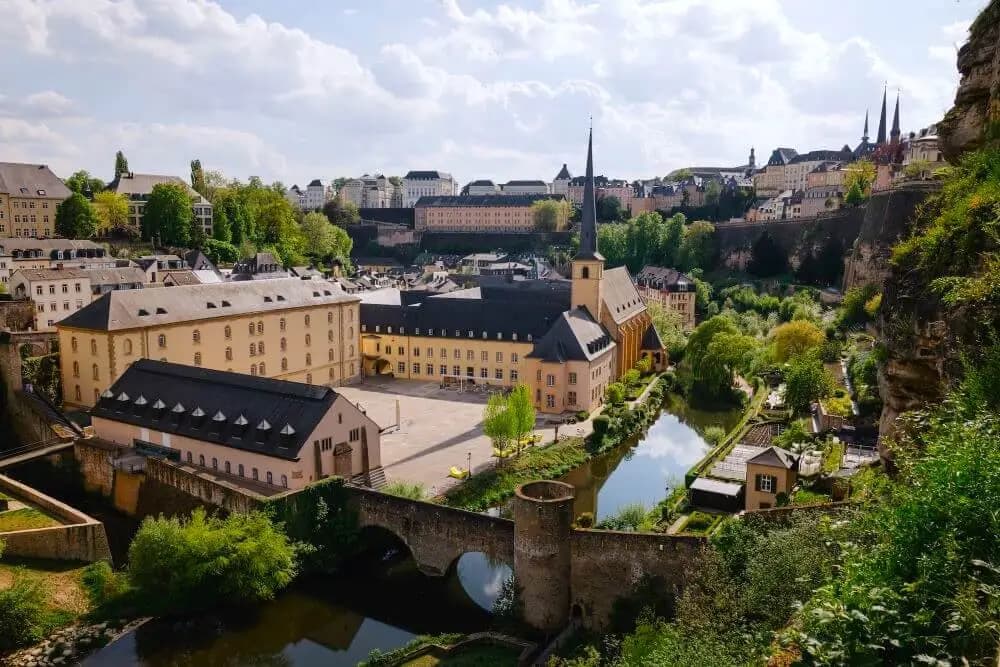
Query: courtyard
[(438, 428)]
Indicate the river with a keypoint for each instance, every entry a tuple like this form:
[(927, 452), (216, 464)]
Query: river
[(383, 605)]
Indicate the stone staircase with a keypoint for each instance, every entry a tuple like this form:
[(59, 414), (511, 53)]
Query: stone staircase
[(377, 478)]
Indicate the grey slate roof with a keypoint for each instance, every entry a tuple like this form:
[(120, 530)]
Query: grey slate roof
[(483, 182), (222, 398), (575, 336), (620, 296), (813, 156), (141, 185), (482, 200), (7, 246), (123, 309), (425, 175), (529, 182), (651, 339), (777, 457), (31, 181), (563, 174), (781, 156), (664, 278)]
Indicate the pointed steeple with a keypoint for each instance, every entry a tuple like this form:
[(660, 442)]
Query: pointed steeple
[(588, 219), (880, 137), (894, 134), (864, 135)]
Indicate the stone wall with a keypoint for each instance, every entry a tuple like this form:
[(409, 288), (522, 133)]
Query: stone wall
[(17, 315), (82, 538), (205, 489), (609, 564), (93, 458)]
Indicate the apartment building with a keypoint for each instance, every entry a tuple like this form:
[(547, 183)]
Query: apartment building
[(60, 292), (137, 188), (671, 289), (525, 188), (603, 187), (478, 213), (29, 195), (31, 253), (796, 173), (770, 180), (560, 184), (290, 329), (417, 184), (824, 189), (250, 430), (481, 187), (372, 192)]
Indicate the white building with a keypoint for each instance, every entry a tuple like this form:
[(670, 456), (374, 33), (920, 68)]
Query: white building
[(797, 169), (60, 292), (137, 188), (417, 184), (296, 197), (482, 187), (560, 186), (525, 188), (372, 192), (315, 196)]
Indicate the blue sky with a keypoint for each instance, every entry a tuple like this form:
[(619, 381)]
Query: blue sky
[(297, 90)]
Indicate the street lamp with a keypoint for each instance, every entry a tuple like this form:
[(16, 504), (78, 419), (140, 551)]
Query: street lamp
[(469, 459)]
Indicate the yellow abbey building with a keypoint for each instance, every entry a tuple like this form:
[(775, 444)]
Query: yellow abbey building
[(566, 339)]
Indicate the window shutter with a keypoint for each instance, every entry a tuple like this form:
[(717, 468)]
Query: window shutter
[(756, 481)]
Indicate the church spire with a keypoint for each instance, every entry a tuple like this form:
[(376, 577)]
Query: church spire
[(880, 137), (864, 135), (588, 219), (894, 134)]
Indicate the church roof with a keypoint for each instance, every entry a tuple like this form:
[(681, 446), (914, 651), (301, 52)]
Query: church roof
[(575, 336), (588, 220), (620, 296), (563, 174), (651, 339)]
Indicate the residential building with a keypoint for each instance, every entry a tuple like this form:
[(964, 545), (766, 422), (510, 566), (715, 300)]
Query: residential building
[(824, 189), (477, 262), (29, 195), (296, 197), (525, 188), (375, 191), (671, 289), (289, 329), (775, 208), (771, 179), (59, 292), (266, 433), (478, 213), (771, 473), (156, 266), (481, 187), (565, 339), (923, 147), (262, 266), (377, 264), (417, 184), (560, 184), (32, 253), (603, 187), (137, 188), (797, 169)]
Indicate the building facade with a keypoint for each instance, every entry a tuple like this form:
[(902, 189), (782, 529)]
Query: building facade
[(560, 184), (525, 188), (796, 172), (603, 187), (257, 431), (137, 188), (770, 180), (290, 329), (48, 254), (29, 195), (481, 187), (671, 289), (60, 292), (315, 195), (417, 184), (478, 213), (824, 189), (770, 473)]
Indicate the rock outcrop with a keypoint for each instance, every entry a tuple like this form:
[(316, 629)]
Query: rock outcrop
[(975, 117)]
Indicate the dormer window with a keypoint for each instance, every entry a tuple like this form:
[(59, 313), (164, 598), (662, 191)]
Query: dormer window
[(107, 394), (316, 294), (281, 298), (268, 299), (161, 311), (178, 409), (143, 312), (287, 430), (218, 417), (225, 304), (123, 397), (513, 336), (210, 305), (484, 335), (141, 401)]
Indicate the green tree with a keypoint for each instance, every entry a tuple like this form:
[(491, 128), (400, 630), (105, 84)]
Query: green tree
[(678, 175), (75, 218), (806, 381), (613, 243), (83, 183), (698, 246), (221, 230), (919, 169), (341, 212), (795, 338), (670, 327), (167, 217), (522, 412), (551, 215), (121, 163), (323, 240), (498, 425), (860, 177), (855, 195), (712, 192), (198, 181), (111, 211), (182, 565), (767, 257), (22, 612), (615, 393), (609, 209), (221, 252)]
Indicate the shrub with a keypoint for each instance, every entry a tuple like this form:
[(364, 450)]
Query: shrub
[(631, 517), (631, 377), (615, 393), (22, 615), (582, 416), (411, 490), (714, 434), (103, 584), (601, 424), (188, 564), (585, 520)]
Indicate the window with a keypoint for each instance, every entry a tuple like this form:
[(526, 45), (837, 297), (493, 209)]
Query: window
[(309, 359), (457, 353), (766, 483), (430, 352), (197, 358), (201, 460), (281, 324), (550, 380), (444, 369), (444, 353), (228, 332), (484, 356), (329, 335), (550, 401), (65, 288), (401, 368), (76, 392), (76, 369), (189, 457), (255, 474), (416, 369), (253, 349), (93, 346), (400, 351), (571, 397), (484, 373), (195, 336), (260, 327), (330, 354), (77, 286), (283, 345), (161, 340), (239, 470), (253, 370), (430, 369), (228, 468), (572, 379), (498, 374), (354, 435), (499, 357), (260, 369), (470, 355), (284, 364), (284, 481), (309, 339), (229, 354), (128, 346), (72, 343), (329, 317), (270, 477), (251, 328), (456, 370), (307, 320), (95, 372), (260, 347)]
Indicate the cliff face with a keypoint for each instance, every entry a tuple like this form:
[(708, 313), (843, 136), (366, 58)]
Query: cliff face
[(975, 117)]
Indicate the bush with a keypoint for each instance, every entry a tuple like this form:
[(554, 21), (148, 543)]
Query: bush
[(179, 565), (582, 416), (22, 615), (615, 393), (585, 520), (631, 517), (713, 435), (102, 584), (411, 490), (601, 424)]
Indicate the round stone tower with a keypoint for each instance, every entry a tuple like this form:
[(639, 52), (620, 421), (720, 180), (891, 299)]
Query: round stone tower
[(543, 518)]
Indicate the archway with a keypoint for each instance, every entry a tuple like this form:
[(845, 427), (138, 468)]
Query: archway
[(482, 578)]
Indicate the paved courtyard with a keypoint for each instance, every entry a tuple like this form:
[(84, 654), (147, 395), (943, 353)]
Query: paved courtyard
[(439, 428)]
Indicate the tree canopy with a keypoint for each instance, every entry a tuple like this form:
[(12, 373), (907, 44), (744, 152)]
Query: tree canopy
[(551, 215), (111, 210), (610, 209), (167, 217), (859, 177), (121, 163), (75, 218), (794, 338), (341, 212), (83, 183), (323, 240)]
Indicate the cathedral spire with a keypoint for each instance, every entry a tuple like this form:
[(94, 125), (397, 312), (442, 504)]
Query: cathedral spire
[(880, 137), (864, 135), (588, 219), (894, 134)]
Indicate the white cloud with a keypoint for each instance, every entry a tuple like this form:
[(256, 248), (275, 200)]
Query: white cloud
[(48, 102)]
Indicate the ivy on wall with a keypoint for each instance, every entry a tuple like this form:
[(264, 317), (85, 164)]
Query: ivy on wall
[(43, 373)]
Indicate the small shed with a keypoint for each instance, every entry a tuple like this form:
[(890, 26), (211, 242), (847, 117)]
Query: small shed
[(716, 494)]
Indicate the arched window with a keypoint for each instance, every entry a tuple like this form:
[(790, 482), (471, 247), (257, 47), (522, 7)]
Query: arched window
[(260, 347), (162, 340), (284, 345), (270, 477), (128, 346), (331, 354), (76, 369), (201, 460), (196, 336), (239, 470), (96, 372), (284, 364), (229, 354), (284, 481), (253, 349), (329, 335), (189, 457), (307, 320), (256, 475), (197, 358), (72, 343), (309, 339), (309, 359), (585, 272), (76, 392), (215, 463), (228, 468), (260, 327), (253, 369), (281, 324), (329, 317), (228, 332), (251, 328), (260, 370)]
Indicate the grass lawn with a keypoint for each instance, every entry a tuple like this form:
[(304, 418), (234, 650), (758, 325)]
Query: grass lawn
[(24, 519), (807, 497), (474, 656), (700, 523), (65, 598), (491, 487), (833, 457)]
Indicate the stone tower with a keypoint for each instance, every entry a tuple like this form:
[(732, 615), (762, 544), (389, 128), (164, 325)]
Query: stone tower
[(588, 265), (543, 519)]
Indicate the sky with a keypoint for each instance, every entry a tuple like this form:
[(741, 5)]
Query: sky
[(302, 89)]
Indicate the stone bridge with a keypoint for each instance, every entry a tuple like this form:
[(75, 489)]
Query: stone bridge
[(436, 535)]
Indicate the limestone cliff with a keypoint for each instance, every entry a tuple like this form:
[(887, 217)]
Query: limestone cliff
[(975, 117)]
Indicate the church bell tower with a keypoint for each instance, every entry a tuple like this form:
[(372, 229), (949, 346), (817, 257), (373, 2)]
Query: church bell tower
[(588, 265)]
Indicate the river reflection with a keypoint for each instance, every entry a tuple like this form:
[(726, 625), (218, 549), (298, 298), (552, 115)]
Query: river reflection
[(640, 470)]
